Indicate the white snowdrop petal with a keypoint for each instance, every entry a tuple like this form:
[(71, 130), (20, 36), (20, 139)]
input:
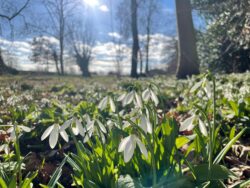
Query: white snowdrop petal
[(112, 104), (143, 123), (86, 138), (138, 100), (66, 124), (103, 104), (187, 124), (121, 97), (125, 124), (149, 126), (47, 132), (129, 149), (123, 144), (142, 148), (12, 135), (80, 127), (25, 129), (146, 95), (129, 98), (64, 135), (103, 129), (154, 98), (90, 125), (208, 89), (53, 137), (11, 129), (75, 130), (202, 127)]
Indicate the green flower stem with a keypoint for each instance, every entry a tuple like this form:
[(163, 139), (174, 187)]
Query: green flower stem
[(18, 155), (75, 141), (152, 152)]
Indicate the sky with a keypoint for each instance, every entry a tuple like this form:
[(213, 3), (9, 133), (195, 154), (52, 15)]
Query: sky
[(103, 51)]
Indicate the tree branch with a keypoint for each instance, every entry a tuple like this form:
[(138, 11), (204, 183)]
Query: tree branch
[(16, 13)]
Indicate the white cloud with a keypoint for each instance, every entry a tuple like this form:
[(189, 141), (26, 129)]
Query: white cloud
[(104, 8), (115, 35), (104, 54)]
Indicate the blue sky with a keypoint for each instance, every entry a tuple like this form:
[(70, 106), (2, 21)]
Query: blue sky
[(99, 12)]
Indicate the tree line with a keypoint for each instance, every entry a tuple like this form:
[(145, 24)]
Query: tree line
[(229, 40)]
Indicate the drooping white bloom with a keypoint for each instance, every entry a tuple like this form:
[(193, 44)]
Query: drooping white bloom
[(130, 97), (128, 145), (138, 100), (202, 127), (53, 132), (76, 126), (5, 148), (19, 128), (112, 104), (104, 103), (145, 124), (149, 94), (188, 125)]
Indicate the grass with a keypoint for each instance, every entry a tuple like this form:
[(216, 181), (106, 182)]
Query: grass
[(153, 158)]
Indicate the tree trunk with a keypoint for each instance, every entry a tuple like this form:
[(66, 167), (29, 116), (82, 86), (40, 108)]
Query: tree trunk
[(84, 66), (4, 69), (61, 57), (187, 57), (62, 33), (55, 57), (135, 47), (141, 61), (147, 45)]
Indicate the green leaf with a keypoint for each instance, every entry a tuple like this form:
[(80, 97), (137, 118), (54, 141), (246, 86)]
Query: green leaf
[(2, 183), (234, 107), (232, 132), (57, 174), (218, 172), (228, 146), (181, 141), (27, 182)]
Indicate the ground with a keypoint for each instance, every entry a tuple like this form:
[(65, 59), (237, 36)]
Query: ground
[(38, 102)]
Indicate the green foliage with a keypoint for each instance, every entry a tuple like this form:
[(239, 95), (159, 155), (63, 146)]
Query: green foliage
[(224, 46), (131, 138)]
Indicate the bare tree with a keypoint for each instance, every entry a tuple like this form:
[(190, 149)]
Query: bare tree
[(149, 10), (45, 52), (81, 37), (135, 48), (187, 56), (59, 12), (9, 11), (116, 35)]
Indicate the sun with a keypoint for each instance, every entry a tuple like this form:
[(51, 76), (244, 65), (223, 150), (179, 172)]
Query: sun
[(91, 3)]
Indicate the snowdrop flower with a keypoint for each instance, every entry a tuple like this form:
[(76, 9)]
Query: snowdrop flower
[(76, 126), (145, 124), (5, 148), (188, 125), (149, 94), (53, 132), (19, 128), (104, 103), (91, 128), (128, 98), (128, 145)]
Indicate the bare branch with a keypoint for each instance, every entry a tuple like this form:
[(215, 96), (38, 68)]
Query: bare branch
[(16, 13)]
